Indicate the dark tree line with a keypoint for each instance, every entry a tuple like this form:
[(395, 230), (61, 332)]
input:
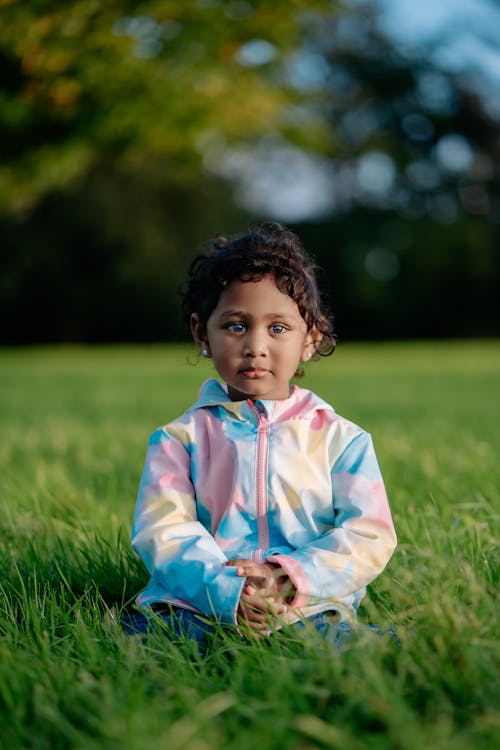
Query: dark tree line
[(106, 196)]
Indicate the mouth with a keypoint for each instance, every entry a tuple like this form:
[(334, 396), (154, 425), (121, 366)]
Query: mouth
[(254, 373)]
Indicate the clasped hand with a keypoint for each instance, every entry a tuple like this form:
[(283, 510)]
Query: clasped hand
[(264, 595)]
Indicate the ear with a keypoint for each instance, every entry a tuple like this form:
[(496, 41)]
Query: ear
[(312, 340), (199, 335)]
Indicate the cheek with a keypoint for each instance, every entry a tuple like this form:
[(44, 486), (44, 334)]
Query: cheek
[(222, 350)]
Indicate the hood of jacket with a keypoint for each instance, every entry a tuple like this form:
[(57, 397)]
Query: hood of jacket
[(301, 404)]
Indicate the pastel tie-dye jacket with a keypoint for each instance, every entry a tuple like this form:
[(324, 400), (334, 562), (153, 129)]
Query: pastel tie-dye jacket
[(289, 482)]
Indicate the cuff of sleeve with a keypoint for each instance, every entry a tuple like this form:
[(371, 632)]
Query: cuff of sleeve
[(224, 605), (297, 577)]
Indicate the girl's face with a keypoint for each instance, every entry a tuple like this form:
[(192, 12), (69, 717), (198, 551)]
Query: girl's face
[(257, 338)]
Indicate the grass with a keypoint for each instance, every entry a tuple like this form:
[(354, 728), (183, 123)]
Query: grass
[(74, 423)]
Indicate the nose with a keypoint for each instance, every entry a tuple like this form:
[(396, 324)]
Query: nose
[(255, 344)]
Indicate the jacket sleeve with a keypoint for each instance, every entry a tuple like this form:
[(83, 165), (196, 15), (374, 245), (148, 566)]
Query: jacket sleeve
[(356, 550), (182, 557)]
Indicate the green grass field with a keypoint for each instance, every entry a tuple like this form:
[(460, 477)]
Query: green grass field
[(74, 425)]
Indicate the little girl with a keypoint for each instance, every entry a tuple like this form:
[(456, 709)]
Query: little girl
[(259, 505)]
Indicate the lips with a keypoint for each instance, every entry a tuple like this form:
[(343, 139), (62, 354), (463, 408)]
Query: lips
[(253, 373)]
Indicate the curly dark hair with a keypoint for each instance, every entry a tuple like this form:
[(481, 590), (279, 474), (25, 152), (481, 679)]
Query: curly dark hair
[(272, 249)]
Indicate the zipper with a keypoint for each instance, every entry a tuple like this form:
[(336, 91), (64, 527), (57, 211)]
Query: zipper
[(261, 457)]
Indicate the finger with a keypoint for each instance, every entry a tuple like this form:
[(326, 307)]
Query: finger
[(256, 618), (262, 604), (255, 569), (259, 582), (247, 618), (259, 623), (239, 562), (276, 606), (246, 571), (267, 589), (255, 611), (253, 603), (251, 630), (241, 570), (260, 627)]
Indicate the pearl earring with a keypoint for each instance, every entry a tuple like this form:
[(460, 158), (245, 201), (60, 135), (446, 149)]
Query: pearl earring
[(205, 352), (309, 355)]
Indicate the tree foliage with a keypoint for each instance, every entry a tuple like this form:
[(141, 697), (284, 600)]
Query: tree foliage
[(85, 80), (433, 124), (412, 248), (121, 123)]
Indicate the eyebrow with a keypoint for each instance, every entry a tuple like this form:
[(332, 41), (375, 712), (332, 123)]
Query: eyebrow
[(245, 314)]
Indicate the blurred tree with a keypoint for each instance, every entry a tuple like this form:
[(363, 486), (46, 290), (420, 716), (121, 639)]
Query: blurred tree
[(414, 244), (410, 134), (84, 81), (121, 124), (418, 188), (389, 277), (408, 207), (405, 132), (104, 259), (105, 112)]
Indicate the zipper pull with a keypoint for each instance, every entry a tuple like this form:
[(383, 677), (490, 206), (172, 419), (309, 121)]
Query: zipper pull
[(263, 421), (263, 425)]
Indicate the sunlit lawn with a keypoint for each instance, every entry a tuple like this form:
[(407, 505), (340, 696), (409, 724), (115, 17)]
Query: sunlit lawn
[(74, 423)]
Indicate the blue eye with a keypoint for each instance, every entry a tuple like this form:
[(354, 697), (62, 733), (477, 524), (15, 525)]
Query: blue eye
[(278, 328), (236, 327)]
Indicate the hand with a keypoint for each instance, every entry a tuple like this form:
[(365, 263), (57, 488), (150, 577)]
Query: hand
[(258, 612), (264, 577), (264, 594)]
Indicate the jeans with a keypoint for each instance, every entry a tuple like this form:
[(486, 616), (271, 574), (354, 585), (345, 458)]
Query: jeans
[(182, 623)]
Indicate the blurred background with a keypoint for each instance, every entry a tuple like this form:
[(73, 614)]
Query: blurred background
[(131, 132)]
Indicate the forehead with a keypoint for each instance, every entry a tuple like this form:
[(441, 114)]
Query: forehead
[(256, 298)]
